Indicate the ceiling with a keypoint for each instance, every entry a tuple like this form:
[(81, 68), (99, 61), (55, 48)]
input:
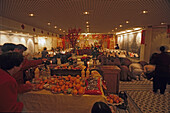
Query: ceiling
[(104, 15)]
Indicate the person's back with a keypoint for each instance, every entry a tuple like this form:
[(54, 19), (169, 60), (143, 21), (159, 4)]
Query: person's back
[(162, 64), (44, 53)]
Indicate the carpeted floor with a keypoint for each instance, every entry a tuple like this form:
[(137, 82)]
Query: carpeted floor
[(143, 99)]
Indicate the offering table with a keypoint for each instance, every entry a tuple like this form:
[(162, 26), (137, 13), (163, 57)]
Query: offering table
[(46, 101)]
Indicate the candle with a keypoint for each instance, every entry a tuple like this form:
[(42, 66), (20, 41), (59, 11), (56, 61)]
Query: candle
[(87, 64), (51, 62)]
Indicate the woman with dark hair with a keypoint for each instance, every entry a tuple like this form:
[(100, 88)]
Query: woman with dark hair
[(100, 107), (10, 63)]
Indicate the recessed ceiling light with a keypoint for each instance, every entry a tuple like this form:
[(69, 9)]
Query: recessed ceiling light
[(87, 26), (85, 13), (55, 27), (116, 28), (87, 22), (120, 25), (127, 21), (60, 29), (49, 23), (31, 14), (144, 11), (112, 30)]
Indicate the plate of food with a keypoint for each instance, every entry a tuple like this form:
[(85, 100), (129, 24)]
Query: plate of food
[(114, 99)]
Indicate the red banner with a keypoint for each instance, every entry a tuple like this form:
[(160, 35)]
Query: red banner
[(143, 37), (108, 43)]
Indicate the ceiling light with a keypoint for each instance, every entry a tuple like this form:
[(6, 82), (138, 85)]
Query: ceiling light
[(87, 26), (86, 13), (127, 21), (87, 22), (144, 12), (31, 14), (116, 28), (163, 23), (64, 31), (120, 25), (49, 23), (60, 29), (112, 30), (55, 27)]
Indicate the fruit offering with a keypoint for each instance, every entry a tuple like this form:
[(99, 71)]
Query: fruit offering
[(60, 84), (114, 99)]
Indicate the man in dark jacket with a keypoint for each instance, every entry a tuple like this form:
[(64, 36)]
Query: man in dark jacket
[(162, 72)]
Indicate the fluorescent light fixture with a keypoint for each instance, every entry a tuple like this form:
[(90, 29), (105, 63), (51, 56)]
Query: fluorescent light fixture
[(129, 31), (138, 28)]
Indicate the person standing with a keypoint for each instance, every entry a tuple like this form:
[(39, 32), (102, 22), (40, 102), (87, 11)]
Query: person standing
[(162, 71), (19, 77), (44, 53), (10, 63)]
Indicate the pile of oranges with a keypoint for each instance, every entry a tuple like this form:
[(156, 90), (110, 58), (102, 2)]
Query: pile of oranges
[(66, 85), (112, 98)]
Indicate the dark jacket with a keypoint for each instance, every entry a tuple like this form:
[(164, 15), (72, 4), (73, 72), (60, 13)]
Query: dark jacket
[(162, 63)]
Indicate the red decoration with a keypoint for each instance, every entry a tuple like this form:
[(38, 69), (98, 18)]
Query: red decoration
[(33, 29), (73, 35), (168, 29), (22, 26), (143, 37)]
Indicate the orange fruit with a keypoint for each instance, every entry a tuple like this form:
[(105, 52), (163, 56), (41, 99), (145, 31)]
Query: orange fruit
[(80, 91), (52, 88), (78, 76), (69, 76), (55, 89), (111, 101), (78, 86), (59, 90), (78, 81)]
